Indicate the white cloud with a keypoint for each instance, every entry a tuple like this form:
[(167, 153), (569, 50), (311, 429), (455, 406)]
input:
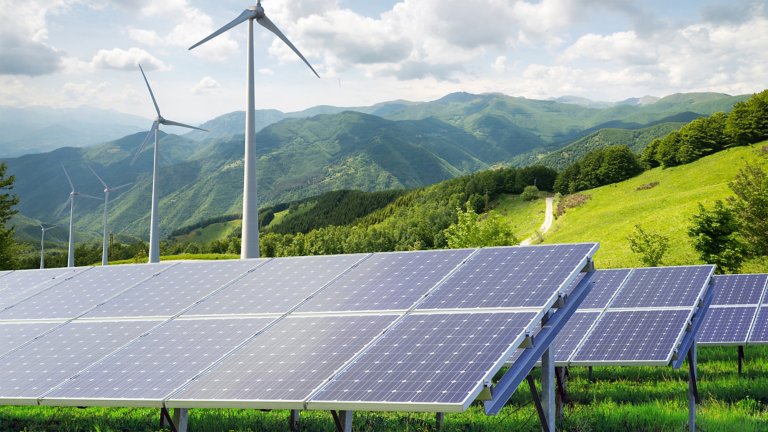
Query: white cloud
[(12, 91), (500, 64), (266, 72), (207, 85), (146, 37), (129, 59)]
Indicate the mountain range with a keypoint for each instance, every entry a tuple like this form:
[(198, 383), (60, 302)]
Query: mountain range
[(385, 146)]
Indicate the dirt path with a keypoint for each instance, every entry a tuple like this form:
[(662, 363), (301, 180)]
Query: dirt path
[(548, 219)]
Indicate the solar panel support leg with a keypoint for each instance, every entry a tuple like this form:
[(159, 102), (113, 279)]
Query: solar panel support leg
[(345, 418), (548, 387), (590, 374), (180, 418), (693, 391), (562, 395), (439, 417), (537, 403), (741, 358), (293, 421)]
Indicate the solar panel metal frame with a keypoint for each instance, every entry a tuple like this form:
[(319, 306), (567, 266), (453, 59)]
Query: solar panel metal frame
[(758, 307), (704, 295), (733, 341)]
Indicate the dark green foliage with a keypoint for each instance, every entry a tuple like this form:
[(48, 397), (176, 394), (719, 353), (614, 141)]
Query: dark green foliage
[(715, 236), (204, 223), (7, 203), (598, 168), (748, 122), (472, 231), (535, 175), (649, 245), (698, 138), (750, 205), (530, 193)]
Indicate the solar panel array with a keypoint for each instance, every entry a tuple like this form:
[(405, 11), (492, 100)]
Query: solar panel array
[(632, 316), (738, 314), (422, 330)]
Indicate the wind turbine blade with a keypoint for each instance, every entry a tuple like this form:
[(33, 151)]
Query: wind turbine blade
[(173, 123), (246, 15), (88, 196), (157, 108), (266, 23), (120, 187), (63, 206), (68, 178), (144, 143), (97, 176)]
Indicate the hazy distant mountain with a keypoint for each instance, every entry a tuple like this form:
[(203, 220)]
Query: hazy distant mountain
[(40, 129)]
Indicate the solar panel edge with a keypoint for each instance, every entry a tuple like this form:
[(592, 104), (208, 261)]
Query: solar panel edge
[(394, 406), (78, 271), (101, 402), (757, 312), (236, 404), (700, 306)]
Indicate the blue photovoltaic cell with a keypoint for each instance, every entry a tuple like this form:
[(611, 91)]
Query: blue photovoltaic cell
[(728, 325), (22, 284), (12, 335), (288, 361), (738, 289), (154, 365), (387, 281), (277, 286), (605, 284), (77, 295), (524, 276), (41, 365), (647, 336), (759, 332), (435, 358), (663, 287), (573, 332), (174, 289)]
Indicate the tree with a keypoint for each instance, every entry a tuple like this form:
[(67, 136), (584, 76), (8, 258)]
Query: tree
[(750, 206), (715, 236), (530, 193), (748, 121), (7, 202), (650, 246), (470, 231)]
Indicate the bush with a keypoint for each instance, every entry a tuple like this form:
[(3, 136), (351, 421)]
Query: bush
[(530, 193)]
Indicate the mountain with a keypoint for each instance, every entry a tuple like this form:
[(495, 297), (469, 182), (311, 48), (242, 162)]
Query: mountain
[(41, 129), (233, 123)]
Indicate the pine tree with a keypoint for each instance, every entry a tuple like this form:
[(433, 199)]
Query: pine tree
[(7, 202)]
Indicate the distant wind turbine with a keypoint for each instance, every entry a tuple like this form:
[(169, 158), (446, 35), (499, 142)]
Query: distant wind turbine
[(154, 233), (107, 190), (250, 235), (43, 228), (71, 200)]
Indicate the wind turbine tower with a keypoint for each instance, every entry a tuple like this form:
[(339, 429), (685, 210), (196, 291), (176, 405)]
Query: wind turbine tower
[(250, 236), (43, 228), (71, 200), (107, 190), (154, 233)]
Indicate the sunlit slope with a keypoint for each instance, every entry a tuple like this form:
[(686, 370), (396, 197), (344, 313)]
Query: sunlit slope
[(613, 211)]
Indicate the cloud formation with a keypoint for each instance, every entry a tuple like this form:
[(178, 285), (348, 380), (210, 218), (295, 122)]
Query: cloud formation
[(207, 85), (120, 59)]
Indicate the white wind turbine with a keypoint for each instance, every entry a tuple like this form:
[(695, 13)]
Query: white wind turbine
[(154, 233), (250, 235), (43, 228), (71, 200), (107, 190)]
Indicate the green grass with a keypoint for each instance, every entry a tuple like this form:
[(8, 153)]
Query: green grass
[(185, 256), (525, 217), (209, 233), (613, 211), (617, 399)]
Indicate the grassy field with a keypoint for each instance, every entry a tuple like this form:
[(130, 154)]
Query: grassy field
[(612, 211), (207, 234), (525, 217), (617, 399)]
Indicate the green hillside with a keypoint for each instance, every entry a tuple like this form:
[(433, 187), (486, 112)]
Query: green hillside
[(612, 211)]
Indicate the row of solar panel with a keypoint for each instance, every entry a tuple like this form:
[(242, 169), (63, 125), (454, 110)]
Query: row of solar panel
[(632, 316), (343, 283), (738, 315), (411, 352)]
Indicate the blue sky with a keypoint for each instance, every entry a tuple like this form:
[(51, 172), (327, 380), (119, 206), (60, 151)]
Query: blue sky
[(65, 53)]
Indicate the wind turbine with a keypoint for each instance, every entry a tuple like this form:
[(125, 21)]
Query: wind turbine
[(42, 244), (107, 190), (250, 235), (71, 199), (154, 233)]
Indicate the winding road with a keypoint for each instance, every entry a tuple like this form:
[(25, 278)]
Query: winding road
[(548, 219)]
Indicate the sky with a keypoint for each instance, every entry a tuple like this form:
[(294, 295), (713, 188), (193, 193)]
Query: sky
[(68, 53)]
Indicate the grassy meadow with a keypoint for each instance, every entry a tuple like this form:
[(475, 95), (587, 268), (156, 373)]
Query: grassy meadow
[(616, 399)]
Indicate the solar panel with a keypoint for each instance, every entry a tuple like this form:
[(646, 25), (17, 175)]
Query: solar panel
[(387, 281), (633, 337), (27, 373), (428, 362), (738, 289), (12, 335), (154, 365), (282, 366), (759, 333), (277, 286), (664, 287), (174, 289), (20, 284), (524, 276), (605, 285), (726, 325), (77, 295)]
